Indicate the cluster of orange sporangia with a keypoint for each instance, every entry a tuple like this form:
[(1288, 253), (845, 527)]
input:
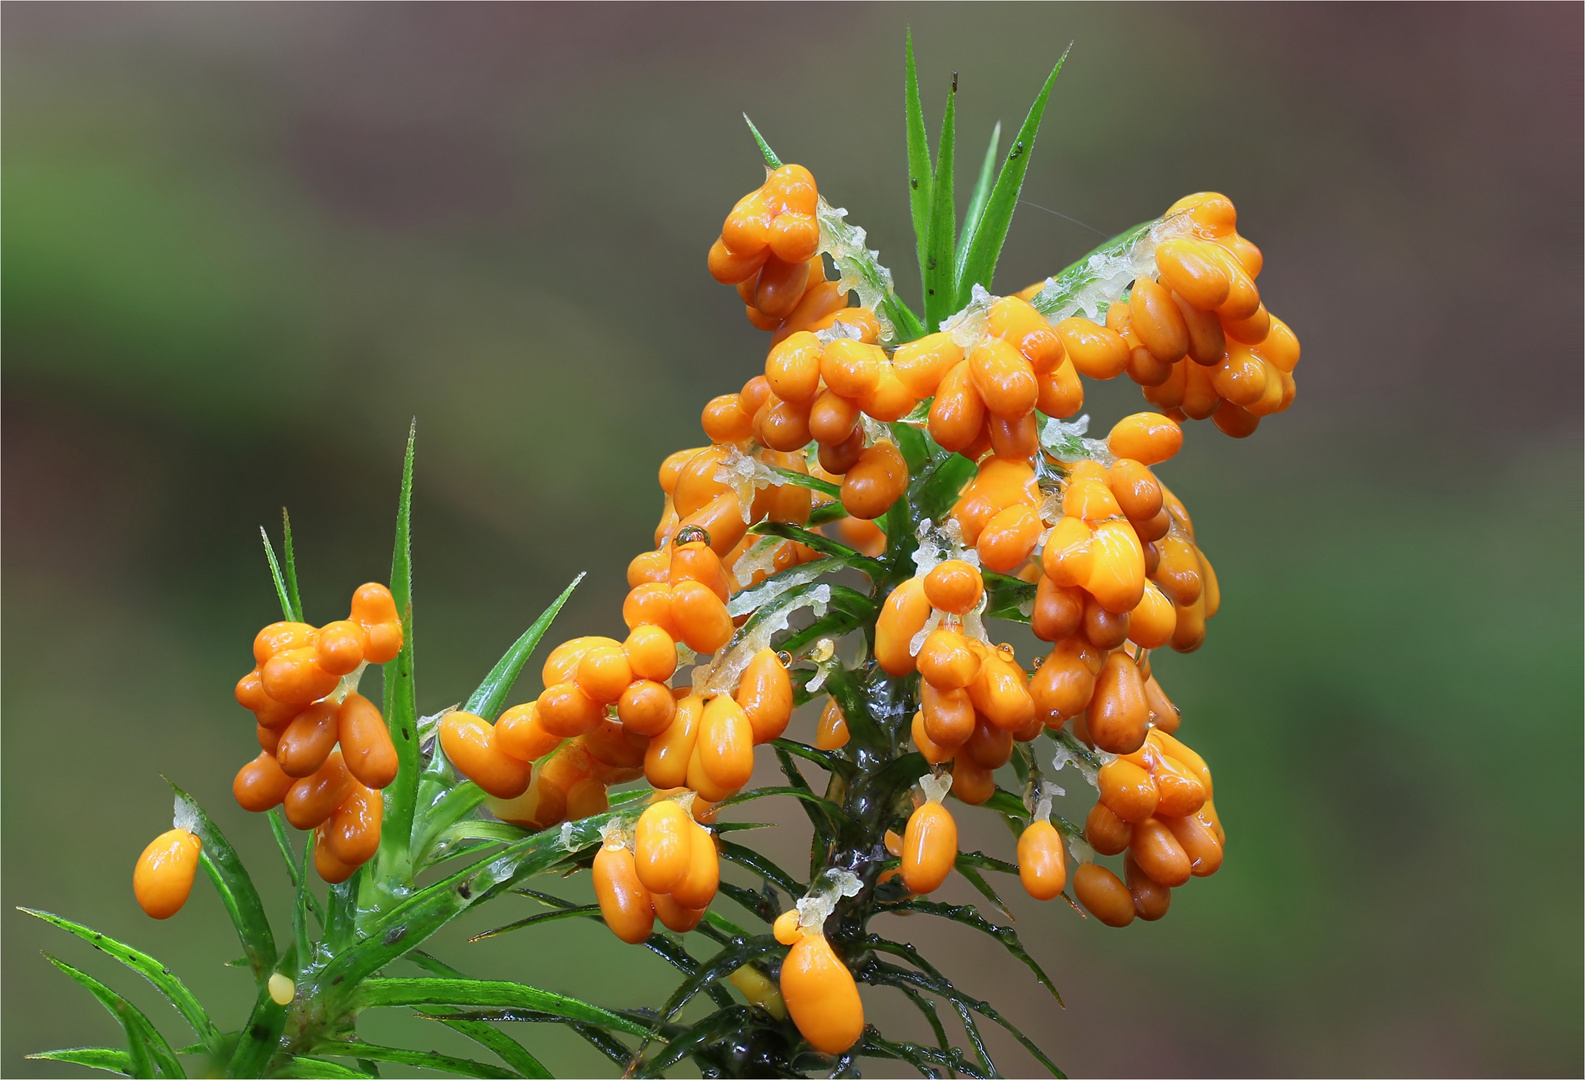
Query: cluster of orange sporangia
[(324, 752), (1199, 340)]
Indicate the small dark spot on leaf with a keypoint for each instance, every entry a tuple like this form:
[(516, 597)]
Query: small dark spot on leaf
[(954, 82), (463, 891), (932, 292), (259, 1032), (1018, 148), (395, 934), (913, 183), (406, 734)]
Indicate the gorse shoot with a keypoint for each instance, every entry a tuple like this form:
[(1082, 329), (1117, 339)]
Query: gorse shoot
[(883, 487)]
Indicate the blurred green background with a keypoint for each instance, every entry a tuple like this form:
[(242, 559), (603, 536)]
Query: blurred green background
[(244, 245)]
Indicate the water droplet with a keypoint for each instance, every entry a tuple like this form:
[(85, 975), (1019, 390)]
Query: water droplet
[(692, 534), (785, 657), (1007, 651), (824, 649), (1038, 661)]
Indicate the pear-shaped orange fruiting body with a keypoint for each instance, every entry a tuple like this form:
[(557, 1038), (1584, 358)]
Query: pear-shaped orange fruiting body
[(163, 877), (821, 996)]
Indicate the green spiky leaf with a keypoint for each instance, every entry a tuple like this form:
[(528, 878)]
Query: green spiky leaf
[(1006, 936), (576, 911), (1004, 595), (411, 922), (920, 176), (501, 1045), (90, 1057), (283, 841), (764, 147), (290, 559), (148, 1052), (381, 993), (804, 480), (932, 492), (311, 1068), (393, 862), (751, 860), (281, 593), (487, 700), (418, 1059), (977, 201), (940, 291), (160, 976), (819, 542), (979, 265)]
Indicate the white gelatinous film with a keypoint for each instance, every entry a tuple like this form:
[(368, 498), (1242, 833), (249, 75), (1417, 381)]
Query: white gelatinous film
[(721, 675), (859, 269)]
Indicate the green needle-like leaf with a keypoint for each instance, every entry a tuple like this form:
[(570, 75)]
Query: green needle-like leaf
[(826, 806), (833, 626), (300, 907), (829, 760), (394, 859), (972, 875), (824, 515), (977, 201), (150, 1054), (443, 816), (310, 1068), (980, 264), (381, 993), (714, 1028), (920, 176), (487, 700), (717, 967), (543, 917), (151, 969), (418, 1059), (752, 860), (408, 924), (927, 1008), (821, 543), (283, 840), (940, 292), (91, 1057), (927, 978), (804, 480), (932, 492), (970, 917), (764, 147), (290, 557), (502, 1045), (986, 862), (1005, 802), (281, 593), (224, 867), (1004, 594)]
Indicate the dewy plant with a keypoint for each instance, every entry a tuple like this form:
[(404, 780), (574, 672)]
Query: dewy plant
[(890, 483)]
